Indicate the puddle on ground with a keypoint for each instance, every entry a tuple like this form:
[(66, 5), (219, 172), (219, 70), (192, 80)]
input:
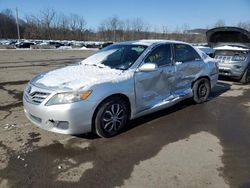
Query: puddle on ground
[(200, 152)]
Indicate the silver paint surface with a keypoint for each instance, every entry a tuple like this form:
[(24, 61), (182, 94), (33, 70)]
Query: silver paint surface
[(147, 92)]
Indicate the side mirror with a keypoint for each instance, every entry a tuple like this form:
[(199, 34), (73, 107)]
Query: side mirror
[(148, 67)]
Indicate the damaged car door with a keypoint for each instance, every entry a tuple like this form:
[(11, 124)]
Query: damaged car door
[(154, 78), (188, 65)]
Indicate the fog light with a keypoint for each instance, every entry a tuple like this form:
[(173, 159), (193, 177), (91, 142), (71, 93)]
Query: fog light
[(58, 124), (50, 123), (237, 66), (62, 125)]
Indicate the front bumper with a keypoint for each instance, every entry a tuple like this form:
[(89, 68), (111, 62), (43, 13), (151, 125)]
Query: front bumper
[(74, 118), (231, 69)]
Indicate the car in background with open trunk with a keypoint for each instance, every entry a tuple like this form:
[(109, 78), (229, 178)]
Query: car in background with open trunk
[(232, 51)]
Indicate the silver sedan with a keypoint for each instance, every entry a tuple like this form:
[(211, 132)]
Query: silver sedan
[(120, 82)]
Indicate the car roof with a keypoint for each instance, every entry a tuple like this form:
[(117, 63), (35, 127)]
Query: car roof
[(150, 42)]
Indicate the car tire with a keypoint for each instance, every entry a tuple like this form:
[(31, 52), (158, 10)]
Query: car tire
[(246, 76), (201, 90), (111, 117)]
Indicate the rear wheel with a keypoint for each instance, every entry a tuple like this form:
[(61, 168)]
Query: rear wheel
[(246, 76), (111, 117), (201, 90)]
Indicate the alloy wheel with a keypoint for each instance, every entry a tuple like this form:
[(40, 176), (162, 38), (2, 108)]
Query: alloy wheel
[(113, 118)]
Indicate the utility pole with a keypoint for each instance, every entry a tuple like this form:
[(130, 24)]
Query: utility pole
[(17, 25)]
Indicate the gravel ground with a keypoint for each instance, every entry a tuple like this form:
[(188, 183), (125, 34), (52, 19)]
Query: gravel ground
[(187, 145)]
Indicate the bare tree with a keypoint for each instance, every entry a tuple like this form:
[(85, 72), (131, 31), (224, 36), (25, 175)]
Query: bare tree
[(63, 26), (139, 28), (7, 24), (77, 25), (112, 28), (114, 23), (185, 31), (220, 23), (47, 17), (51, 25), (33, 27), (165, 31), (244, 25)]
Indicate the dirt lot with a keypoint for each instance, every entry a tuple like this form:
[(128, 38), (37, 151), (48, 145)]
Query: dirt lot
[(186, 145)]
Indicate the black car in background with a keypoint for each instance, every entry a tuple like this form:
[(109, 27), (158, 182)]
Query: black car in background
[(24, 44), (106, 44), (56, 44)]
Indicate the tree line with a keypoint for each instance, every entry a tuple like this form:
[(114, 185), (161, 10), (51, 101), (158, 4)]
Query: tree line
[(49, 24)]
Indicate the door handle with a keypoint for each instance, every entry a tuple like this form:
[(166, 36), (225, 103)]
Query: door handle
[(170, 71)]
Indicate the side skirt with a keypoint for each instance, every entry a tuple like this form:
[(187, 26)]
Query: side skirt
[(162, 105)]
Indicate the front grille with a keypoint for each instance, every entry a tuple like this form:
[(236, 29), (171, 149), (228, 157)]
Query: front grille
[(35, 96), (223, 59), (225, 72), (39, 97)]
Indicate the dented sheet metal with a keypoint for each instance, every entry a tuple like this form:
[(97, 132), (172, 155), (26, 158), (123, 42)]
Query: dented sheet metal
[(154, 87), (161, 83)]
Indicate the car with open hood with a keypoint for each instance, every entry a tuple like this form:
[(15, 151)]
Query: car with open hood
[(120, 82), (232, 51)]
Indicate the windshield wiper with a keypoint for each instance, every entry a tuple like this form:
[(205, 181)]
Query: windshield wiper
[(118, 68)]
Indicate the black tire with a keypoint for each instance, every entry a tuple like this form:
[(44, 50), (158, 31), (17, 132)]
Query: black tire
[(111, 117), (201, 90), (246, 76)]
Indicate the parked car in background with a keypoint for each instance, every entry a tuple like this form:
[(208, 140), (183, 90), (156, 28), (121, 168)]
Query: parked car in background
[(24, 44), (105, 44), (232, 51), (93, 45), (207, 50), (56, 44), (51, 43), (120, 82)]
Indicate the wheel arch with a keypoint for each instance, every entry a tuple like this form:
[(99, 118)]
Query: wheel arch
[(120, 95), (207, 77), (246, 71)]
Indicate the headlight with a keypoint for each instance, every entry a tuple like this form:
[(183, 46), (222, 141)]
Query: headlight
[(69, 97), (238, 58)]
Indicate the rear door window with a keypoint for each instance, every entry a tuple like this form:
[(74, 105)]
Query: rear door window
[(185, 53)]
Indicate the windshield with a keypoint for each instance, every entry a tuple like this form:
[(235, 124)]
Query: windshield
[(116, 56)]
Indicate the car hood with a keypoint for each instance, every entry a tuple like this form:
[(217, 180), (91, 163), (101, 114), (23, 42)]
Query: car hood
[(228, 36), (78, 76)]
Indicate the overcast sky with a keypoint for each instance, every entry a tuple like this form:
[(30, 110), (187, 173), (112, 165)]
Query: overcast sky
[(195, 13)]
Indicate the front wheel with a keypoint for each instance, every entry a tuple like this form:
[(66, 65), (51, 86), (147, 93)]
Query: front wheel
[(111, 117), (201, 90)]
